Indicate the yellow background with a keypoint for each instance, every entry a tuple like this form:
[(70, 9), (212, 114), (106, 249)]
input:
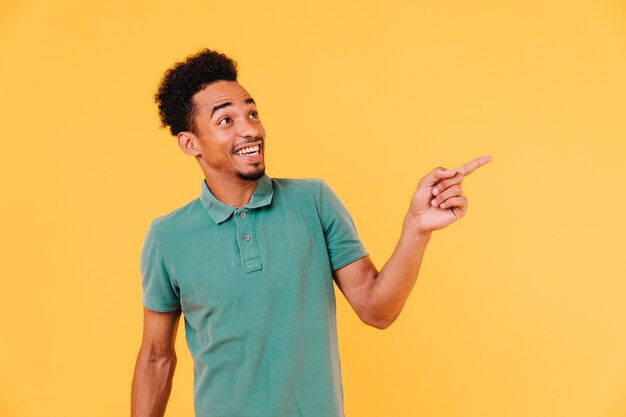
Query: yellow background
[(520, 307)]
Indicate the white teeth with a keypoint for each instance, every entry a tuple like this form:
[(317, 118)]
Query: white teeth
[(249, 150)]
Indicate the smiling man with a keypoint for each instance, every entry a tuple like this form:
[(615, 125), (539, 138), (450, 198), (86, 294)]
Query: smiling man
[(251, 262)]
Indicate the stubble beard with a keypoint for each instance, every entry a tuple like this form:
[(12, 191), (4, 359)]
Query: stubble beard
[(252, 175)]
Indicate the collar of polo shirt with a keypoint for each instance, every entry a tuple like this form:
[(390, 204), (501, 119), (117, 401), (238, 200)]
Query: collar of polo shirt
[(219, 212)]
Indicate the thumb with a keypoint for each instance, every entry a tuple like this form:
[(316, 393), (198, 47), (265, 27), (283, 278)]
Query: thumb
[(435, 176)]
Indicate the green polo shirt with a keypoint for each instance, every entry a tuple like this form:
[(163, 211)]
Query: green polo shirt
[(255, 287)]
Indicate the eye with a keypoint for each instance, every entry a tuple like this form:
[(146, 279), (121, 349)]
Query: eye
[(225, 121), (253, 114)]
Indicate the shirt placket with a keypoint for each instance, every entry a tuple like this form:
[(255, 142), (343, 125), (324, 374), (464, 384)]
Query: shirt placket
[(246, 240)]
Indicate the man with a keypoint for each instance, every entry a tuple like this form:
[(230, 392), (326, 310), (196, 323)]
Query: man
[(250, 263)]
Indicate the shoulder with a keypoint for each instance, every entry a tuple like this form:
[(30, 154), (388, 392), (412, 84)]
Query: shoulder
[(178, 220), (313, 190), (312, 187), (307, 192)]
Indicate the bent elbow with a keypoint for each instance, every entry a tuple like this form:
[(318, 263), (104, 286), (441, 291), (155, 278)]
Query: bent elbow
[(378, 322), (380, 325)]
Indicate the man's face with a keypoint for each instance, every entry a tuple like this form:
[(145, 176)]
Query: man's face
[(230, 134)]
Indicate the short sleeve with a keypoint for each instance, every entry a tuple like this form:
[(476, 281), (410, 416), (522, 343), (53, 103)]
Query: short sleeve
[(159, 293), (342, 240)]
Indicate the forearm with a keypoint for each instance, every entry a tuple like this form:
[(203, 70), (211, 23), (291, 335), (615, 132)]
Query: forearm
[(390, 288), (152, 384), (378, 297)]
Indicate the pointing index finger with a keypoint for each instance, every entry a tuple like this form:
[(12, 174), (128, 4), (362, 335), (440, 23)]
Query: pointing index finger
[(472, 165)]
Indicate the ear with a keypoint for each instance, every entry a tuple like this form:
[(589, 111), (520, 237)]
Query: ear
[(188, 143)]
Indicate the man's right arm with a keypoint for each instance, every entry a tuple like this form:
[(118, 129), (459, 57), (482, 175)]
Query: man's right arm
[(152, 380)]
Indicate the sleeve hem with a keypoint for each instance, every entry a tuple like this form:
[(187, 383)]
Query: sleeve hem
[(160, 306), (348, 258)]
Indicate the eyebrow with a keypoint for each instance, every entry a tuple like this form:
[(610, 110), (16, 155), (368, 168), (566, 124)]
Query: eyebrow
[(230, 103)]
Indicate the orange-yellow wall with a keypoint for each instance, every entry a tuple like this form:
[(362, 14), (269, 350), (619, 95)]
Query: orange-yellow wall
[(520, 308)]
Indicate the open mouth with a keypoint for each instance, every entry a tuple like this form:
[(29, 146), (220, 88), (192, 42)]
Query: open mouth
[(249, 150)]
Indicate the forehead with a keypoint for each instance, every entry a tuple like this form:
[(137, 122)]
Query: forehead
[(219, 92)]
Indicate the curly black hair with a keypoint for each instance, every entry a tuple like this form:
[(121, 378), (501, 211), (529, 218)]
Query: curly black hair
[(186, 78)]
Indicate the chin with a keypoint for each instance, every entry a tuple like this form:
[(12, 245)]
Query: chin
[(252, 175)]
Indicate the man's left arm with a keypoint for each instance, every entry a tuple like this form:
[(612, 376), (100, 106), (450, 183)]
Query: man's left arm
[(378, 297)]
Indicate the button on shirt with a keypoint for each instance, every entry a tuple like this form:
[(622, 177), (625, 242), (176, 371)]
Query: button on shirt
[(255, 287)]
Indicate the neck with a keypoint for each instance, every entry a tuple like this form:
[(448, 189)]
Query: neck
[(233, 192)]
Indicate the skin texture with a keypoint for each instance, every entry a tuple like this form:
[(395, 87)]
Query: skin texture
[(156, 361), (218, 134), (377, 297)]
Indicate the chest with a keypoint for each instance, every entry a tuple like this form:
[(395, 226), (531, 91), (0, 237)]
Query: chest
[(254, 259)]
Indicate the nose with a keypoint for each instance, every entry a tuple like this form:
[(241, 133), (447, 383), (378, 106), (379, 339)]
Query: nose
[(250, 128)]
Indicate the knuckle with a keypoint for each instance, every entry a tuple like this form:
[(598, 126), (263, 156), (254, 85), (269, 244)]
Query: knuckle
[(439, 170)]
